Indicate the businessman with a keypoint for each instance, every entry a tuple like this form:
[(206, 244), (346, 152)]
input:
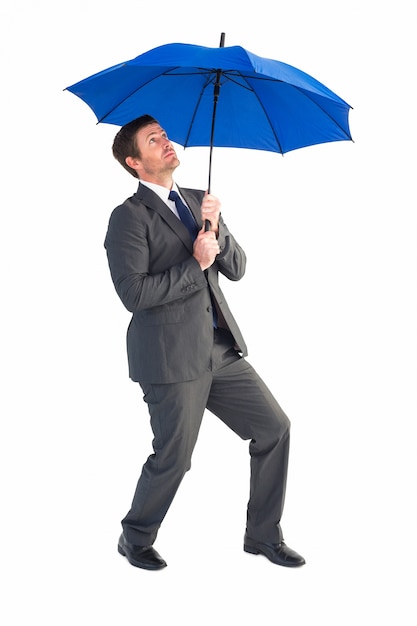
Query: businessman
[(185, 348)]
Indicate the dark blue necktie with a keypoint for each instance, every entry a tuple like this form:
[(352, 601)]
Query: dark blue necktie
[(185, 214)]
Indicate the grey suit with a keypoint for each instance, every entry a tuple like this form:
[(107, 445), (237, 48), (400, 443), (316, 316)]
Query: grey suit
[(184, 366)]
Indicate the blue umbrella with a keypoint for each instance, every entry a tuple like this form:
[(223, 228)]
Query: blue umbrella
[(225, 96)]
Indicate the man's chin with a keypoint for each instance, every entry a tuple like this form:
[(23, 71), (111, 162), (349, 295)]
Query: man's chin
[(173, 161)]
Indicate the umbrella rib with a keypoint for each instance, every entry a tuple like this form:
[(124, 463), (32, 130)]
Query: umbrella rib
[(206, 84), (336, 123), (231, 75), (300, 91), (249, 87), (147, 83)]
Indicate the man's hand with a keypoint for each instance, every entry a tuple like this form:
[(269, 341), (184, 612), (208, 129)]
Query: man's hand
[(210, 210), (206, 248)]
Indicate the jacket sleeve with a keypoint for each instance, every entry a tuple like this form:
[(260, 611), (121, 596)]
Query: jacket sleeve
[(127, 244), (231, 262)]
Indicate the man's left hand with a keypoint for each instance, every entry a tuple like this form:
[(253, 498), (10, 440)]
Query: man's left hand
[(210, 210)]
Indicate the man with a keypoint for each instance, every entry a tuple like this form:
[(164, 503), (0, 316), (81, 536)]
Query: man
[(185, 348)]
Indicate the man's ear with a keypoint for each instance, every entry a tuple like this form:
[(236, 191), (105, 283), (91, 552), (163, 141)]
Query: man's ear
[(132, 162)]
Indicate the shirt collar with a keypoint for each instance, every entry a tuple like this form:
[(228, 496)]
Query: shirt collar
[(162, 192)]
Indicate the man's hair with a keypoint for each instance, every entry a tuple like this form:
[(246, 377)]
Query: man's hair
[(124, 143)]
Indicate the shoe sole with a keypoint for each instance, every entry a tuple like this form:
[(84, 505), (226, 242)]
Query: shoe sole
[(253, 550)]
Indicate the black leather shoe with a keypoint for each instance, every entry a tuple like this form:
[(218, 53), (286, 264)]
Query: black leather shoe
[(140, 556), (277, 553)]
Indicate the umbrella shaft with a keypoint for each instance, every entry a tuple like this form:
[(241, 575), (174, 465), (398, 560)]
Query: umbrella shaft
[(216, 94), (217, 85), (216, 97)]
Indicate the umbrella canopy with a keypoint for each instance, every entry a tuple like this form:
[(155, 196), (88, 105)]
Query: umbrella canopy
[(225, 96)]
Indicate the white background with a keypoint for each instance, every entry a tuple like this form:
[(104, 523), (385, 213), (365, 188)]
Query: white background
[(328, 308)]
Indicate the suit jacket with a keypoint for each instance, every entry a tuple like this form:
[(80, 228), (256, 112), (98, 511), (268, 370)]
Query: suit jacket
[(149, 250)]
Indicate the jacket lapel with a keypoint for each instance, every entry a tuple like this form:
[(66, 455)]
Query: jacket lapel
[(149, 198)]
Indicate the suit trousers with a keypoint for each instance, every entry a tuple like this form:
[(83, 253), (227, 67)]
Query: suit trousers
[(232, 390)]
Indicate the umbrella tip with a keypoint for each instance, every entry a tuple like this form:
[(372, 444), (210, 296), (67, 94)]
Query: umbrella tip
[(222, 38)]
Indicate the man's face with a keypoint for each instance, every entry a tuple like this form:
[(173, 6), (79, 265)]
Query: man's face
[(157, 155)]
